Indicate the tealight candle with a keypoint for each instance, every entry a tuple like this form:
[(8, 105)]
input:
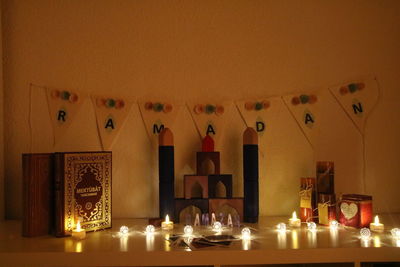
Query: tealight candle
[(78, 232), (167, 224), (294, 221), (376, 226)]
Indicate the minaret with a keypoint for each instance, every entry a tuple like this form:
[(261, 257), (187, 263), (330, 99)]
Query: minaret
[(166, 173), (250, 175)]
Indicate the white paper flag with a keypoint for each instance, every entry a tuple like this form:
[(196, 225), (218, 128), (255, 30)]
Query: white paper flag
[(111, 113), (63, 106)]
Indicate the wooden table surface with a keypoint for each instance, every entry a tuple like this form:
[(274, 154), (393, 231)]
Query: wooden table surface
[(267, 246)]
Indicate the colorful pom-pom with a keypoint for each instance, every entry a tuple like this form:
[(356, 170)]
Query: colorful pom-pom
[(343, 90), (219, 110), (258, 106), (65, 95), (148, 106), (210, 109), (198, 109), (295, 100), (158, 107), (352, 87), (55, 93), (304, 99), (73, 98), (249, 106), (312, 99), (167, 108), (119, 104), (110, 103), (266, 104)]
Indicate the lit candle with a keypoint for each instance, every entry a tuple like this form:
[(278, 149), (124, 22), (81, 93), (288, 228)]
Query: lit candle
[(78, 232), (167, 224), (294, 221), (376, 226)]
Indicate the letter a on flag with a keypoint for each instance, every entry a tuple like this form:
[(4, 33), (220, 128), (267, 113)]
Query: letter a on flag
[(210, 118), (111, 113), (357, 98), (305, 111), (63, 106)]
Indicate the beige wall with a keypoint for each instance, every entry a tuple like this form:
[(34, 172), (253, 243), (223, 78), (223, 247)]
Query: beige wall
[(191, 50)]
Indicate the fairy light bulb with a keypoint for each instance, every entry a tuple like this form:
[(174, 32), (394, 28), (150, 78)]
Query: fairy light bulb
[(311, 226), (123, 230), (365, 233), (333, 225), (188, 230), (150, 229), (246, 233), (281, 227), (217, 227), (395, 233)]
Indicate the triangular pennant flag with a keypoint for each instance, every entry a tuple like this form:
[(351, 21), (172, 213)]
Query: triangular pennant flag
[(158, 115), (304, 109), (257, 113), (357, 98), (210, 118), (63, 106), (111, 113)]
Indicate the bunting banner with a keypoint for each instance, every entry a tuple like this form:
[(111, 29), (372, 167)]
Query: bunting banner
[(63, 106), (357, 98), (158, 115), (210, 118), (258, 113), (304, 109), (111, 113)]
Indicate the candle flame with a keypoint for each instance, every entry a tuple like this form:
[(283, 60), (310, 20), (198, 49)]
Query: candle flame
[(294, 216), (167, 219), (78, 226), (376, 219)]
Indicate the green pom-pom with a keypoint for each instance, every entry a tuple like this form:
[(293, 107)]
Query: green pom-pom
[(304, 99), (210, 109), (110, 103), (352, 87), (158, 107), (258, 106), (65, 95)]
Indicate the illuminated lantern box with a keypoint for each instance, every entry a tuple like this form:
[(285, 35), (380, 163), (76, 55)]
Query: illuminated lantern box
[(356, 210)]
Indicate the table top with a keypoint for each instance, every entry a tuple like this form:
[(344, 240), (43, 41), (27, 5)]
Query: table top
[(267, 245)]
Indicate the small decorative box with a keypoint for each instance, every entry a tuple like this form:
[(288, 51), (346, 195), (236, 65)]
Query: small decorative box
[(355, 210)]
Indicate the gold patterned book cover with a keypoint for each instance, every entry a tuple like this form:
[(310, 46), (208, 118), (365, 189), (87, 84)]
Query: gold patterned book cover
[(83, 191)]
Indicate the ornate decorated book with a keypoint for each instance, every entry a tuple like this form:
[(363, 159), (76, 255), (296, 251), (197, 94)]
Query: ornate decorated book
[(37, 186), (83, 191)]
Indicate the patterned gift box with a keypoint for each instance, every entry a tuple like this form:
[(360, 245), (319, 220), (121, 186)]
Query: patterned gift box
[(355, 210)]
